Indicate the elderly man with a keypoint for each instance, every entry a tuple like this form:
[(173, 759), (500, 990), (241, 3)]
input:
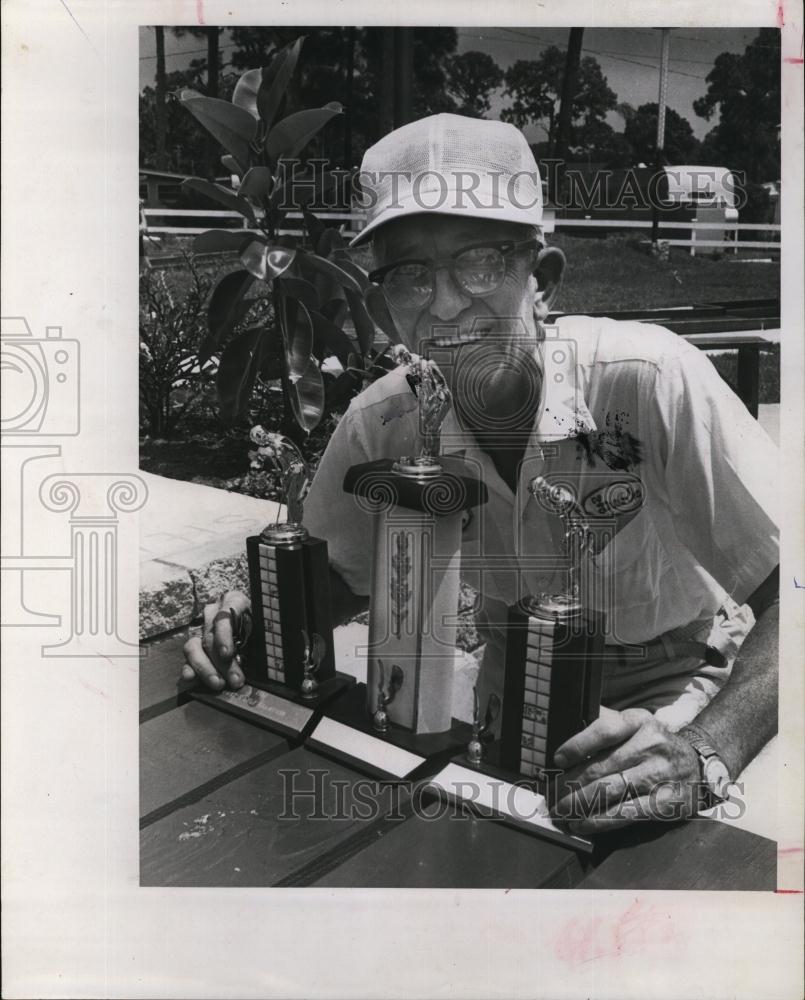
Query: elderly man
[(634, 422)]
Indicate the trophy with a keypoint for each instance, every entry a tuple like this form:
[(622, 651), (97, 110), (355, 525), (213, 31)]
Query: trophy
[(551, 690), (417, 502), (289, 664), (554, 652)]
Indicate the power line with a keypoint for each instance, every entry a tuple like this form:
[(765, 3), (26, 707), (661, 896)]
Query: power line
[(622, 57), (189, 52)]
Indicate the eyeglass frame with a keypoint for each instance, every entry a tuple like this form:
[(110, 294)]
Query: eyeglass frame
[(449, 260)]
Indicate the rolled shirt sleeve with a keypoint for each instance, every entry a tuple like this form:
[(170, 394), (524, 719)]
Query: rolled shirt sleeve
[(719, 470)]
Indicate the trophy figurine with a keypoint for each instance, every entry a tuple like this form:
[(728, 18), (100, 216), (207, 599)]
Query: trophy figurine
[(385, 697), (417, 502), (314, 653), (481, 733)]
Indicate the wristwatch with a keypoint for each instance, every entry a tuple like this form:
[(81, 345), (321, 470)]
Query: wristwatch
[(714, 776)]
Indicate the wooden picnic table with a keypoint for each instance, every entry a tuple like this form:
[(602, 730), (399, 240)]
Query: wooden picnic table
[(215, 811)]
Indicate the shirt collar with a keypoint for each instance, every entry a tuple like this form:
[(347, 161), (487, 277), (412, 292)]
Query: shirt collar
[(564, 413)]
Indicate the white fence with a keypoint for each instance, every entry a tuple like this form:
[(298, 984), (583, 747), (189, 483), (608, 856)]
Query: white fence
[(356, 220)]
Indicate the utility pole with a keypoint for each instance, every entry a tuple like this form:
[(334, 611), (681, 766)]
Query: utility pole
[(159, 98), (658, 164), (387, 81), (403, 76), (572, 60)]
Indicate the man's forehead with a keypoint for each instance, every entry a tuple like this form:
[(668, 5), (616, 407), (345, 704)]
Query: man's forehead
[(418, 235)]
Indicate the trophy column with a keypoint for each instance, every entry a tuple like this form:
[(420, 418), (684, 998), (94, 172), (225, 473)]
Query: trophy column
[(415, 585)]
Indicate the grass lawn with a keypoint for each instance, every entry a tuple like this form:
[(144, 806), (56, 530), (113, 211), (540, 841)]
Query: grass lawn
[(616, 273), (602, 274)]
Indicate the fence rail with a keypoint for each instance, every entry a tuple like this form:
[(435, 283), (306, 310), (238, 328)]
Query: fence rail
[(356, 222)]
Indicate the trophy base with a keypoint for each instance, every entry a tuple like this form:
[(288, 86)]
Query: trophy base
[(278, 707), (500, 793), (347, 733)]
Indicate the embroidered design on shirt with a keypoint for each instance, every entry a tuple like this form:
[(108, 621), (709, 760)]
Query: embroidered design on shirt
[(615, 447), (623, 496)]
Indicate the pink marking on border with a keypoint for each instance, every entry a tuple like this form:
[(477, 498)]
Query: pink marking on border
[(794, 60), (789, 892), (780, 14), (200, 12)]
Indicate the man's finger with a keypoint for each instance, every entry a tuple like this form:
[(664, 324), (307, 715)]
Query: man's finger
[(609, 730), (201, 665), (223, 637), (234, 674), (581, 801)]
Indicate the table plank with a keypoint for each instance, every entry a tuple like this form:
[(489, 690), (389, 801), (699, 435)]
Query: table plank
[(457, 851), (191, 746), (700, 854), (160, 666), (243, 833)]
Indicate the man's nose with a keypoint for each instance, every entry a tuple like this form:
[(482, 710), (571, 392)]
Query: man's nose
[(448, 298)]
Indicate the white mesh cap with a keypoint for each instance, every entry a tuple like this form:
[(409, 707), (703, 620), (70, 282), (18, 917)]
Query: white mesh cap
[(451, 165)]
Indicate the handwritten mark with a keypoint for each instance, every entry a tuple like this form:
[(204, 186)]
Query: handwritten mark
[(798, 585), (200, 11), (780, 15), (640, 926)]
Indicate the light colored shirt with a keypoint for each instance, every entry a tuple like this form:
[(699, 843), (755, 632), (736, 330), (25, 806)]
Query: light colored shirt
[(678, 481)]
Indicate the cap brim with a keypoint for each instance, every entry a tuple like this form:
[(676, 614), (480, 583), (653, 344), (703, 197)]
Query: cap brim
[(503, 213)]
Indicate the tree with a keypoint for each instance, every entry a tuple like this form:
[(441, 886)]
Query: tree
[(598, 142), (681, 145), (535, 85), (471, 77), (745, 90)]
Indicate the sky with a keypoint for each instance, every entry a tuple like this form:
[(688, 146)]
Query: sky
[(629, 58)]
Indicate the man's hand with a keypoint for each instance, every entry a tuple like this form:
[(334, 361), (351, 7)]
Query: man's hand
[(624, 766), (213, 656)]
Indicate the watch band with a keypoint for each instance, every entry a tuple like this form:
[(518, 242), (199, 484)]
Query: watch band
[(702, 743)]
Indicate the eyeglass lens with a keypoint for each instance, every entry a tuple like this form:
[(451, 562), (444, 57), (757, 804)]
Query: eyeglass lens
[(478, 271)]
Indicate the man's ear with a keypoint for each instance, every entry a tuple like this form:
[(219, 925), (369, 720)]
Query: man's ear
[(377, 307), (549, 271)]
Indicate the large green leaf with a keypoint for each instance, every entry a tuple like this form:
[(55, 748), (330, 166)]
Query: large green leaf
[(233, 127), (300, 289), (245, 92), (377, 307), (292, 134), (342, 258), (275, 80), (224, 309), (222, 195), (257, 183), (221, 241), (307, 397), (266, 261), (333, 271), (335, 310), (213, 344), (298, 331), (330, 240), (329, 339), (237, 371), (364, 327)]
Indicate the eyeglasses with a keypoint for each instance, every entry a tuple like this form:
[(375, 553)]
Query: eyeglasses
[(478, 270)]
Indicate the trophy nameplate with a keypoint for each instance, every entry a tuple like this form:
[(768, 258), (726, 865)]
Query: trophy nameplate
[(417, 503), (289, 664)]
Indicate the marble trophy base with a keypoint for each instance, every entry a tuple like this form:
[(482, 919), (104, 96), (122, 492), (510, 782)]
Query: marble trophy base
[(279, 707), (347, 733)]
